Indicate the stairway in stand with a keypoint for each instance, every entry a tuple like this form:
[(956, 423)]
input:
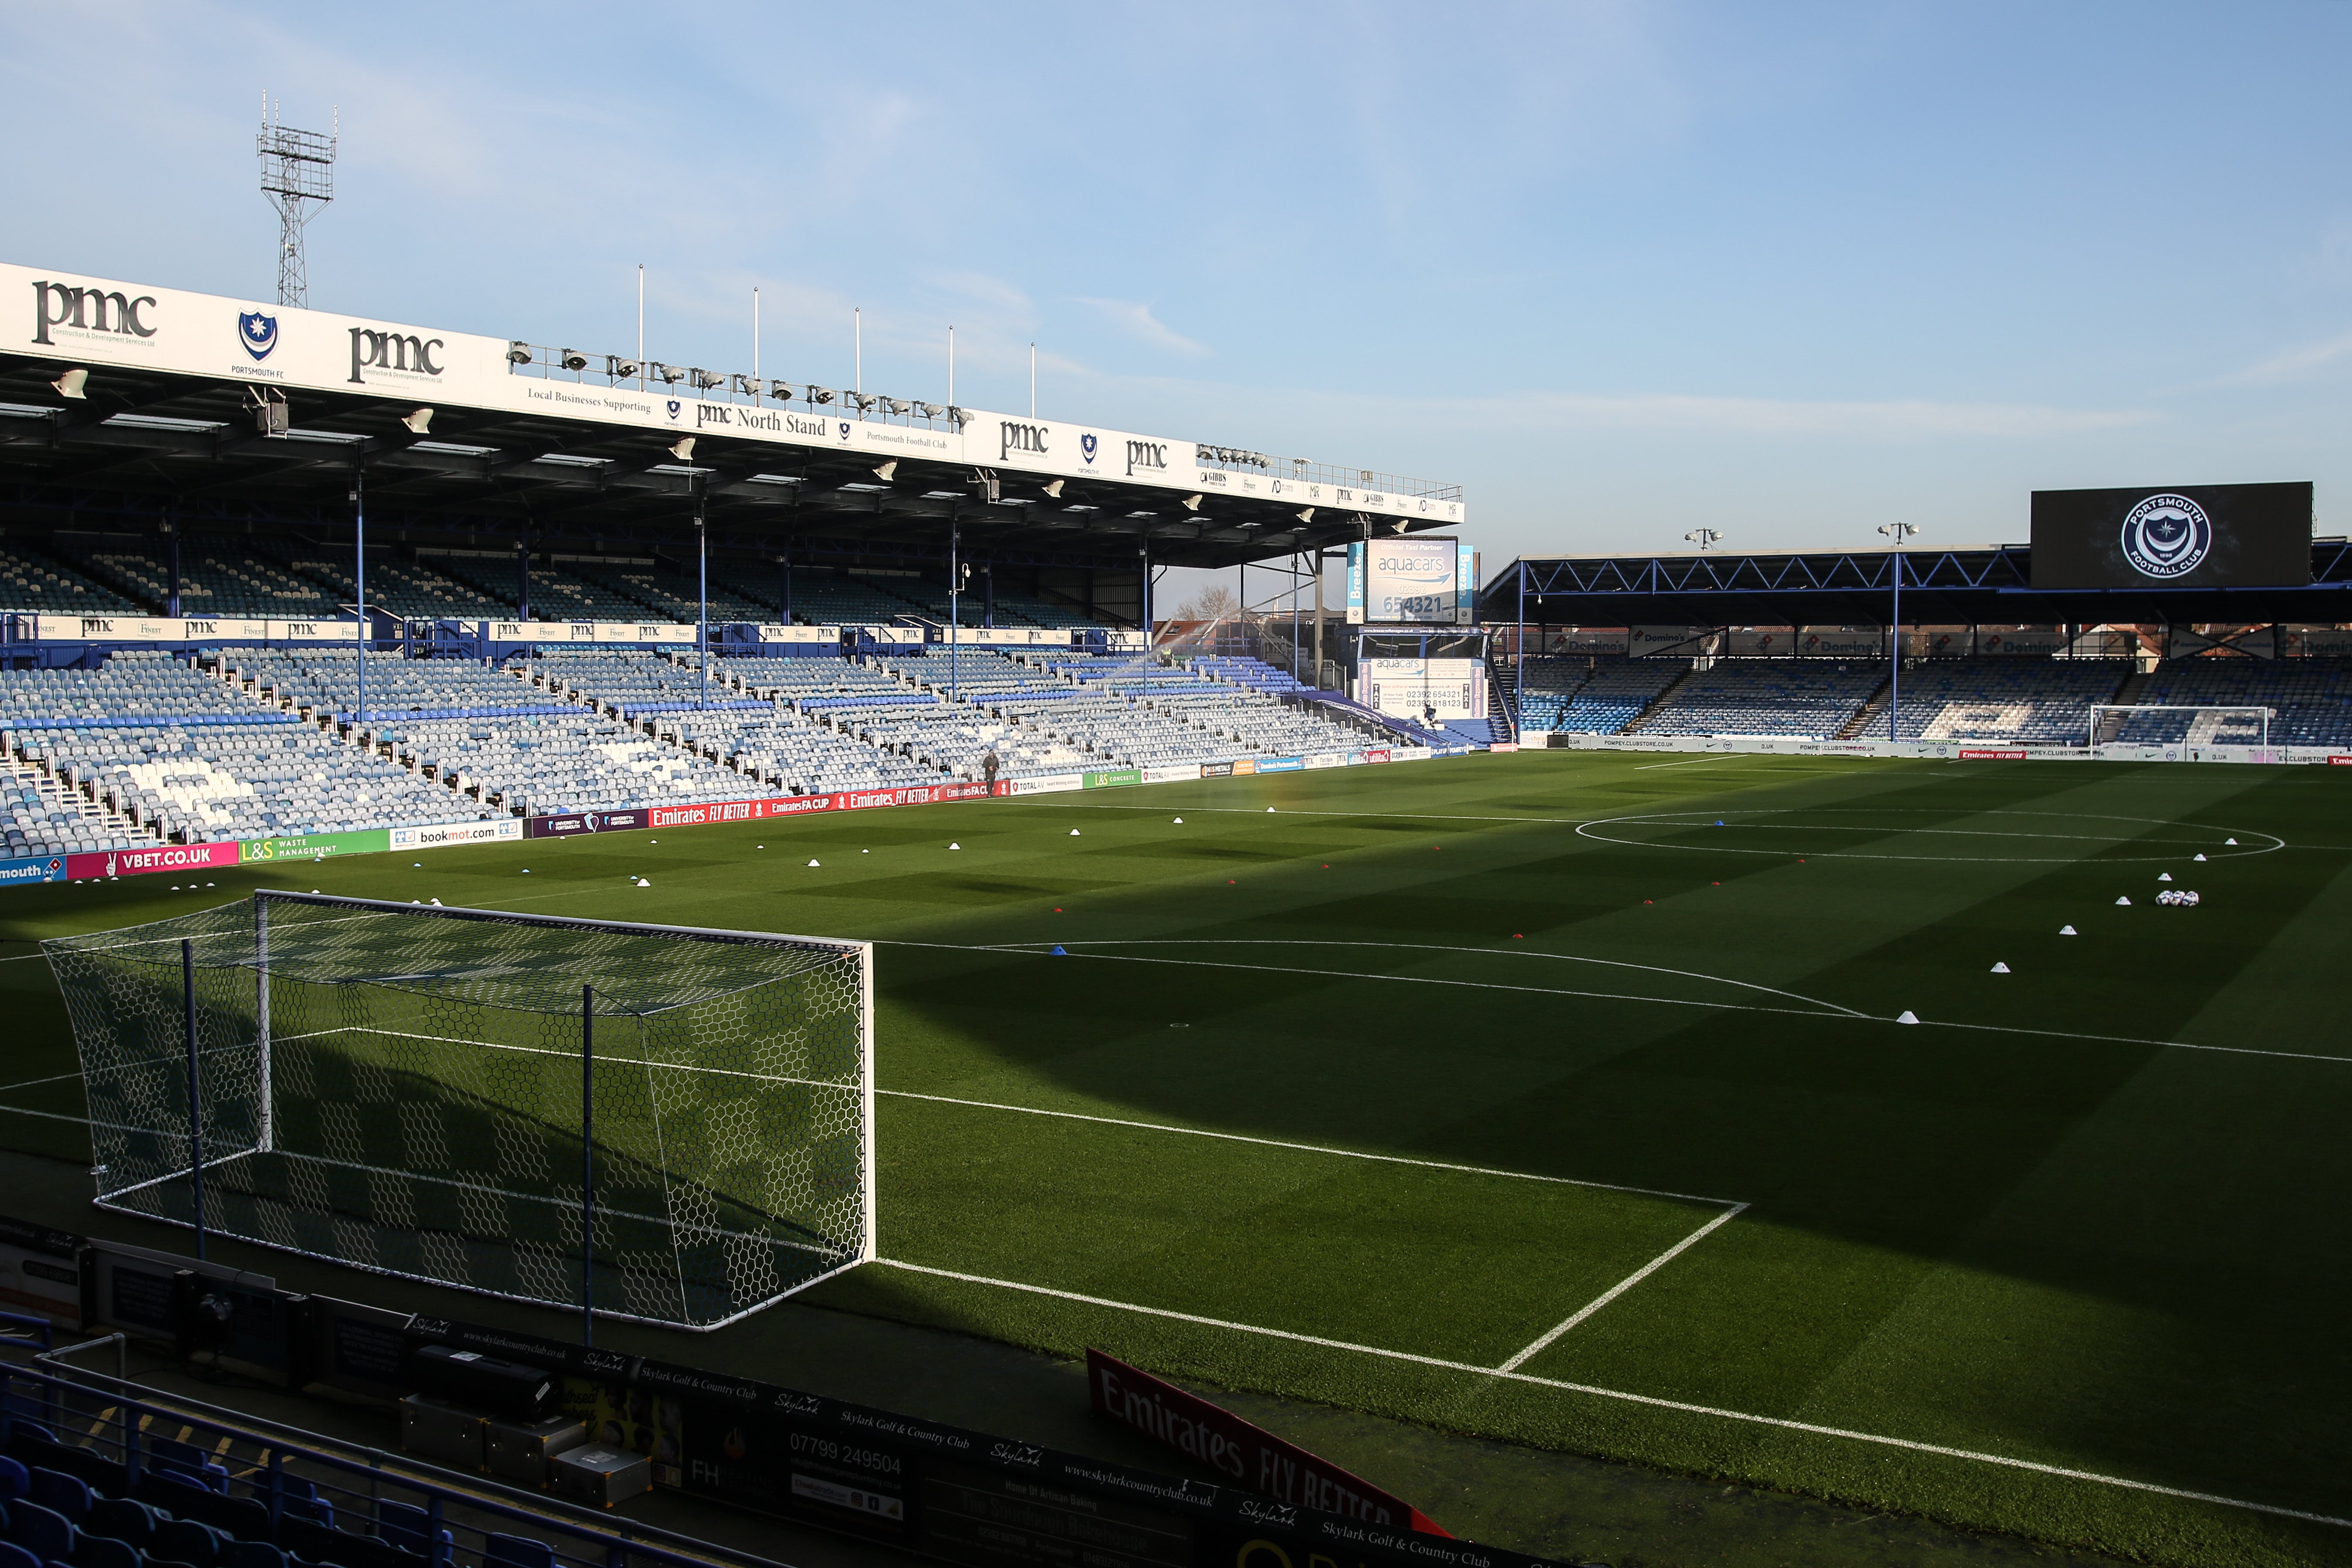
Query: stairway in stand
[(1634, 725), (1864, 722)]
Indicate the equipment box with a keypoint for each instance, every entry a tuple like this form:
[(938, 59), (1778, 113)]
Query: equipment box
[(519, 1451), (601, 1475), (439, 1430)]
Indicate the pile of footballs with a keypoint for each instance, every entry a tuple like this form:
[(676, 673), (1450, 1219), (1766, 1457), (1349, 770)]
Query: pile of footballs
[(2171, 897)]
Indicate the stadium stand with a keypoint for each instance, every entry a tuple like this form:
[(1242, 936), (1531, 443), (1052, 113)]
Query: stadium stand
[(556, 593), (408, 588), (1812, 697), (1256, 674), (2313, 698), (2042, 701), (30, 580), (170, 753), (823, 597), (672, 594), (1610, 695), (219, 575)]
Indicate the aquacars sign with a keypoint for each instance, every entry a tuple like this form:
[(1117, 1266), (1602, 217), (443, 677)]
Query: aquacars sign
[(86, 310)]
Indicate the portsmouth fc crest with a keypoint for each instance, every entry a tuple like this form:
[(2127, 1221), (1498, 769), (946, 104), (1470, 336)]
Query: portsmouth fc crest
[(1087, 445), (2167, 536), (258, 332)]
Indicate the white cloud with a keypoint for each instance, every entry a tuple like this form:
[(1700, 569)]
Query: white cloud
[(1137, 321), (2292, 364)]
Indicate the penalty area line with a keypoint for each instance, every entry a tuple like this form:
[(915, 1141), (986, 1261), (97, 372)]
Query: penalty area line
[(1644, 1273), (1653, 1401)]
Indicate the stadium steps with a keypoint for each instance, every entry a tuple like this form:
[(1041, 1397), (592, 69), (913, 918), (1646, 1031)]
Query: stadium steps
[(1872, 708), (100, 813), (1502, 701), (1663, 700), (2128, 695)]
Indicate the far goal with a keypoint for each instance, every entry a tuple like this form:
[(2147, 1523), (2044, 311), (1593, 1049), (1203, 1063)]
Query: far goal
[(2139, 723), (646, 1122)]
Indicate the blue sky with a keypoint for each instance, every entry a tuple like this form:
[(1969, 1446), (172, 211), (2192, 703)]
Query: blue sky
[(1786, 270)]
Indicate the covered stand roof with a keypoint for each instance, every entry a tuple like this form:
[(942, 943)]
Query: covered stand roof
[(1977, 585), (126, 388)]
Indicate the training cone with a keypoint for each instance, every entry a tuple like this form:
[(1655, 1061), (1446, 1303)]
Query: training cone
[(2123, 901), (2200, 857), (1908, 1016), (1270, 808), (2068, 930), (2229, 841), (812, 862), (1180, 822), (1058, 951), (437, 904), (955, 846), (2164, 876), (1718, 822), (2000, 969)]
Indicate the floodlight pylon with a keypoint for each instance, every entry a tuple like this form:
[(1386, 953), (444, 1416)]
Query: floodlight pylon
[(297, 175)]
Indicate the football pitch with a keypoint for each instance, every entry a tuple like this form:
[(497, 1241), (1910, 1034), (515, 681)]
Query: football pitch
[(1574, 1099)]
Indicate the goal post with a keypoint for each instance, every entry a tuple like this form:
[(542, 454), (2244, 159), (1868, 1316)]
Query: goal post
[(2214, 715), (405, 1088)]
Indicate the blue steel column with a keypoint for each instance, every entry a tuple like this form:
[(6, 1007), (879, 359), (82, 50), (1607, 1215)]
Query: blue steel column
[(1894, 668), (1519, 660)]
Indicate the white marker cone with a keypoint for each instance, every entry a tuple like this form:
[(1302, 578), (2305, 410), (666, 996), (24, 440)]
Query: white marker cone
[(2164, 876), (2000, 969), (2123, 901), (1908, 1016), (865, 851), (2229, 841), (437, 904), (1269, 808), (2068, 930), (955, 846), (1073, 833), (812, 862), (1180, 822), (2200, 857)]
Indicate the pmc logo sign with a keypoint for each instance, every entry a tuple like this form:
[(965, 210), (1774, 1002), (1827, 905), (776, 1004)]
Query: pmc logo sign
[(403, 352), (2167, 536)]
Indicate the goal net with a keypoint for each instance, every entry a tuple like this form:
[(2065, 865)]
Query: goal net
[(656, 1123), (2156, 724)]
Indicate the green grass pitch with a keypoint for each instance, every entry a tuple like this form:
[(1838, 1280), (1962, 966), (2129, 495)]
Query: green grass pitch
[(1515, 1096)]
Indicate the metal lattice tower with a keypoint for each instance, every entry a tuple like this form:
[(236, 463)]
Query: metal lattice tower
[(297, 175)]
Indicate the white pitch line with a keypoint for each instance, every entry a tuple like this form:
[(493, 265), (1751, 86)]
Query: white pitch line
[(1684, 1406), (1688, 762), (36, 1082), (1306, 1148), (1644, 1273), (1437, 947), (1822, 1011)]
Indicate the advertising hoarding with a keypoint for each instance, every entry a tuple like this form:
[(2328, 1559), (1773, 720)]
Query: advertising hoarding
[(1420, 580)]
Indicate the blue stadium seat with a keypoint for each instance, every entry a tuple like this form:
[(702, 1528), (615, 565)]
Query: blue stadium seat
[(69, 1495)]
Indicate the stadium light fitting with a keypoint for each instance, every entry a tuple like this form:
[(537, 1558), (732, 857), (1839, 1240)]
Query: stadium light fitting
[(1191, 503), (1306, 514), (669, 372), (747, 385), (70, 384), (781, 391), (929, 410), (894, 405), (958, 416), (1054, 489), (1401, 525), (420, 422), (887, 471), (819, 394), (704, 380), (1702, 537), (621, 369), (573, 359), (683, 449), (518, 352)]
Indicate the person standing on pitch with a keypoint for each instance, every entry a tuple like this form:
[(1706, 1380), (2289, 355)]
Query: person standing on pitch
[(988, 766)]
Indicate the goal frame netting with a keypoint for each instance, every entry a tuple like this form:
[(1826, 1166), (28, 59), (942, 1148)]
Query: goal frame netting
[(664, 1124), (2099, 710)]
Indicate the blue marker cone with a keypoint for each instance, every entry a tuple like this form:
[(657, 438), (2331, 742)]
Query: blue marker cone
[(1058, 951)]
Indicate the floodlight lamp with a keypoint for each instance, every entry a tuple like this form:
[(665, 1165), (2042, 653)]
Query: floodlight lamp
[(620, 369), (670, 373), (781, 391), (886, 471), (518, 352), (863, 400), (819, 394), (928, 410), (1191, 503), (70, 384), (683, 449), (1306, 514), (572, 359), (420, 422), (1054, 489), (1401, 525), (747, 385), (960, 417)]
